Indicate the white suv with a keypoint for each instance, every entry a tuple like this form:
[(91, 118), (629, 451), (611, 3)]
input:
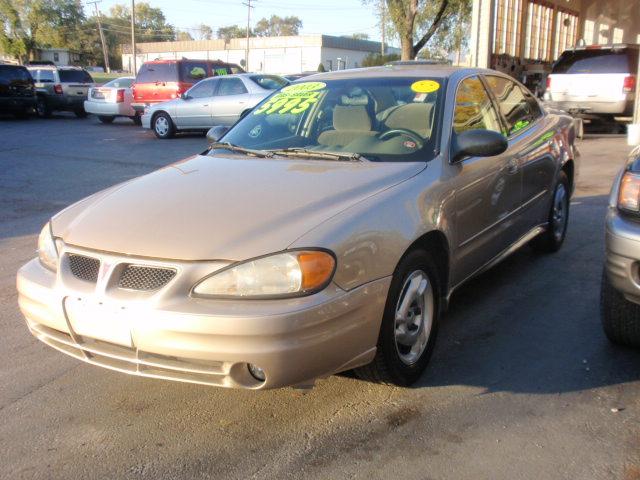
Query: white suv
[(595, 81)]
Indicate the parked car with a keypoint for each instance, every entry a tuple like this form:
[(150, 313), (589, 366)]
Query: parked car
[(596, 81), (620, 293), (213, 101), (325, 231), (112, 100), (17, 91), (161, 80), (60, 88)]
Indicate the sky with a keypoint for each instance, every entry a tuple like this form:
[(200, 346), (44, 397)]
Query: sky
[(330, 17)]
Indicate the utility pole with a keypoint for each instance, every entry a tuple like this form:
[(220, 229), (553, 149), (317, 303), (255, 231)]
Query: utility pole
[(133, 36), (383, 22), (246, 54), (104, 47)]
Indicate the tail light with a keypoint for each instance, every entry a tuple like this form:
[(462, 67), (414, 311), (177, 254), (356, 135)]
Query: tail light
[(133, 90), (548, 83), (58, 89), (181, 88), (629, 84), (120, 95)]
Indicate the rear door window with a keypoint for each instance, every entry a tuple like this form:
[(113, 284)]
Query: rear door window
[(517, 106), (157, 72), (204, 89), (231, 86), (597, 61), (75, 76), (193, 72)]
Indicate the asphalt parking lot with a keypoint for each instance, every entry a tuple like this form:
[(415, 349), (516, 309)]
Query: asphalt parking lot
[(522, 384)]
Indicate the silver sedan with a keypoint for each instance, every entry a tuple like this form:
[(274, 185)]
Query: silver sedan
[(211, 102)]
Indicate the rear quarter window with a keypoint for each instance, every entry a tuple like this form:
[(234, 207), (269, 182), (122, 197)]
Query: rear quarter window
[(269, 82), (157, 72), (77, 76), (597, 61)]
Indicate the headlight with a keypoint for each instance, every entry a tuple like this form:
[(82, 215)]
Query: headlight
[(629, 193), (47, 251), (286, 274)]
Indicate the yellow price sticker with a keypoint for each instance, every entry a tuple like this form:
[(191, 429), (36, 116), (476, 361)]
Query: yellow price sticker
[(293, 99), (425, 86)]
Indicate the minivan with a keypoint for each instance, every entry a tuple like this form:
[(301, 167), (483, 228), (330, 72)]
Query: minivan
[(162, 80), (595, 81)]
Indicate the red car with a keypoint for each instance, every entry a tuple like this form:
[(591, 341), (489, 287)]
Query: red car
[(162, 80)]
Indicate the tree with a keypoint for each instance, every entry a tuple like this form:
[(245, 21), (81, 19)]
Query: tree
[(415, 22), (151, 24), (232, 31), (182, 36), (358, 36), (278, 26), (321, 68), (204, 32)]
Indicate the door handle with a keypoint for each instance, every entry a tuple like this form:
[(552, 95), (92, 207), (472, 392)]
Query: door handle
[(512, 166)]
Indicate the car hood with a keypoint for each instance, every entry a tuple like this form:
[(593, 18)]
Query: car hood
[(222, 208)]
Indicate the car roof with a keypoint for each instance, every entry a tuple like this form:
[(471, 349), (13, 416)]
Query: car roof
[(418, 70)]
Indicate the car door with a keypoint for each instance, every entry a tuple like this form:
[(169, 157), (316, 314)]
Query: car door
[(487, 189), (232, 98), (531, 141), (194, 110)]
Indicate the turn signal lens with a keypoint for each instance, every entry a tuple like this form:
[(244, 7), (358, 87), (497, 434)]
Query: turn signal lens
[(629, 192), (286, 274)]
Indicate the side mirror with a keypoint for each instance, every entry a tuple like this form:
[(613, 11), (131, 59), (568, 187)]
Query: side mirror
[(477, 143), (216, 133), (185, 96)]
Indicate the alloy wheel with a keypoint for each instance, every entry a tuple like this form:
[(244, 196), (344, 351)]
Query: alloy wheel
[(559, 215)]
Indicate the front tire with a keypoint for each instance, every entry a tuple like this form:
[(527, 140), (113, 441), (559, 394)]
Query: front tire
[(620, 317), (163, 126), (553, 237), (106, 119), (136, 119), (409, 325)]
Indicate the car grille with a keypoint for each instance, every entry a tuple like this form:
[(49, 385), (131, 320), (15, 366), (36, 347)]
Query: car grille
[(84, 268), (139, 277)]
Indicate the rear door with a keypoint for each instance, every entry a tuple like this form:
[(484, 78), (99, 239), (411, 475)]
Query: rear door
[(531, 140), (594, 76), (487, 189), (195, 111), (232, 98), (75, 83)]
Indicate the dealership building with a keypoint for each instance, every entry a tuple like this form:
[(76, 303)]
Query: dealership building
[(281, 55)]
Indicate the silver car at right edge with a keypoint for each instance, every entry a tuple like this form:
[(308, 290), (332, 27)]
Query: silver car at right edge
[(620, 294)]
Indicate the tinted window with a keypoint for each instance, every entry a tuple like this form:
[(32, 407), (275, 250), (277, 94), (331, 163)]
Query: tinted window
[(157, 72), (119, 83), (46, 76), (474, 110), (11, 74), (203, 89), (269, 82), (75, 76), (517, 106), (193, 71), (219, 69), (231, 86), (597, 61)]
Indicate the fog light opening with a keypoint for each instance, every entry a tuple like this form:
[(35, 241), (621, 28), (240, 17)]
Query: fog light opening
[(256, 372)]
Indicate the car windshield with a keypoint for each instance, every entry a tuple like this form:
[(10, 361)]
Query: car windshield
[(123, 82), (379, 118), (78, 76)]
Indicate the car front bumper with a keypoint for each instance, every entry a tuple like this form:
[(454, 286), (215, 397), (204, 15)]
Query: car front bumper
[(172, 335), (622, 256), (109, 109)]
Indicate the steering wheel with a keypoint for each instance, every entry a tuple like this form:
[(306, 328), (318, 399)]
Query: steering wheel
[(403, 131)]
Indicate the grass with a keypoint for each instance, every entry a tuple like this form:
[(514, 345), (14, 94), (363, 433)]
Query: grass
[(101, 78)]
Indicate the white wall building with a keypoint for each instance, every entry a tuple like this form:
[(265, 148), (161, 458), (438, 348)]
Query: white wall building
[(281, 55)]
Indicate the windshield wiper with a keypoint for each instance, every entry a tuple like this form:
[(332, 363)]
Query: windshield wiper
[(236, 148), (307, 153)]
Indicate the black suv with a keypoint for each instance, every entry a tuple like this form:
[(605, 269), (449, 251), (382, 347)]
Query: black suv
[(17, 91)]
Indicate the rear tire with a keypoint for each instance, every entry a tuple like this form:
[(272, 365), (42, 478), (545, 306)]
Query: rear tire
[(136, 119), (553, 237), (163, 126), (80, 113), (620, 317), (42, 107), (409, 325), (106, 119)]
